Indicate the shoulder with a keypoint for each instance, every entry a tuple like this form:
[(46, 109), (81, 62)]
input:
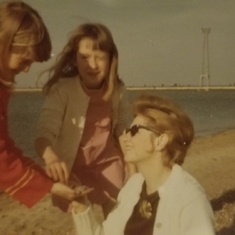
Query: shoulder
[(121, 84), (65, 86), (188, 187), (65, 83), (120, 89)]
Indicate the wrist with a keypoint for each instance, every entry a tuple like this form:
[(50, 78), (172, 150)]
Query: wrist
[(49, 156), (80, 208)]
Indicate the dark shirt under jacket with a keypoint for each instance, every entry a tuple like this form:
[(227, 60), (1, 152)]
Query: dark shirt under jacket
[(143, 216)]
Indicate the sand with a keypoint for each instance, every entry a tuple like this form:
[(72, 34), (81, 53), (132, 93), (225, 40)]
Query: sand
[(211, 160)]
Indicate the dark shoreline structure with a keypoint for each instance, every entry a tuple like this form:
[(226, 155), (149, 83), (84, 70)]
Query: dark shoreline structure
[(150, 88)]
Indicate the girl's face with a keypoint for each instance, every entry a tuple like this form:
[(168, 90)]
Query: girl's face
[(19, 63), (138, 141), (93, 65)]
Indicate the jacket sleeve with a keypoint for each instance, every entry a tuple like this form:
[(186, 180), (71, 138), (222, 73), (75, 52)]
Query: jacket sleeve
[(86, 223), (20, 177), (51, 116)]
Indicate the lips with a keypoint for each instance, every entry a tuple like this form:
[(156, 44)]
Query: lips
[(128, 147), (93, 73)]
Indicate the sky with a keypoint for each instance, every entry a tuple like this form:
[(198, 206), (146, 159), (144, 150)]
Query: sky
[(160, 42)]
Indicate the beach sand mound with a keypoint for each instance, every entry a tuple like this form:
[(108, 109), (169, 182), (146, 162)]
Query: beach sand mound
[(211, 160)]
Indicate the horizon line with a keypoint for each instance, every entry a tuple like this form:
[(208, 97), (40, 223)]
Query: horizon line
[(34, 89)]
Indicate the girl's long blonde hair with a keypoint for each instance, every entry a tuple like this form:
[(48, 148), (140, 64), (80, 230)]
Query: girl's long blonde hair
[(65, 62), (21, 31)]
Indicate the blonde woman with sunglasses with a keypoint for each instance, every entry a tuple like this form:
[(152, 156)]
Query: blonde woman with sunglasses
[(162, 198)]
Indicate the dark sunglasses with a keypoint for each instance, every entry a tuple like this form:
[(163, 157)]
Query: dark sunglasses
[(134, 129)]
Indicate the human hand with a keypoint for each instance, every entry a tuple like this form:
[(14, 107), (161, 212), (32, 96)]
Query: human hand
[(81, 192), (58, 171), (76, 184), (55, 168), (81, 203), (64, 191)]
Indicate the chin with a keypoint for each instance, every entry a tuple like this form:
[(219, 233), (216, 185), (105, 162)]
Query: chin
[(128, 159)]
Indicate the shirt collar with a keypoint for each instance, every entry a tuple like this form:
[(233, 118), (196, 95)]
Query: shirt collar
[(171, 181)]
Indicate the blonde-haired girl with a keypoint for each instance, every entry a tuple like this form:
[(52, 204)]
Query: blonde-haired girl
[(24, 39)]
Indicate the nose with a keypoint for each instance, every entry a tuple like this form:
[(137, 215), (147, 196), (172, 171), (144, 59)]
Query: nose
[(92, 63), (125, 136)]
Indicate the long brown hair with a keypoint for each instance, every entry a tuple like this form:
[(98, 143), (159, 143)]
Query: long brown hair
[(21, 30), (65, 67)]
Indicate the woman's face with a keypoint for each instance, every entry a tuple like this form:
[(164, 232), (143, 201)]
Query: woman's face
[(93, 65), (19, 63), (138, 141)]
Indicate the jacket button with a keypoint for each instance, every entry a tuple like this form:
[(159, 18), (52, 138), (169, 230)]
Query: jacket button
[(158, 225)]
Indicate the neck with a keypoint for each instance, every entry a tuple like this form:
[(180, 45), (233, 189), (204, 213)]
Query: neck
[(155, 174), (90, 87)]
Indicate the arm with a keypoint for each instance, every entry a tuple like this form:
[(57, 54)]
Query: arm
[(48, 129), (24, 180), (55, 168), (86, 223), (20, 176)]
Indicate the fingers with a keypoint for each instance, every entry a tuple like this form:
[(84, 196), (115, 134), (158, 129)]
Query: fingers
[(63, 190), (83, 190), (58, 171), (81, 203)]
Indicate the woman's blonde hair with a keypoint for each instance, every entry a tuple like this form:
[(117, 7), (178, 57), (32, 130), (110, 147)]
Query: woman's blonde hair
[(65, 63), (176, 124), (21, 31)]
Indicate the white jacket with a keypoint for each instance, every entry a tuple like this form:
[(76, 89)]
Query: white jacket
[(63, 115), (183, 209)]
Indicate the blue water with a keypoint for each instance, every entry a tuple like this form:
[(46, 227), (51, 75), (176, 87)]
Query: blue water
[(211, 112)]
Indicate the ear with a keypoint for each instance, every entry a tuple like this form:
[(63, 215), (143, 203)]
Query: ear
[(161, 141)]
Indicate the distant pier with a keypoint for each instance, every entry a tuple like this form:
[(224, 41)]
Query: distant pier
[(184, 88), (131, 88)]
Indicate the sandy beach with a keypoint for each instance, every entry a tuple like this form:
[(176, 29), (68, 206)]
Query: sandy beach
[(211, 159)]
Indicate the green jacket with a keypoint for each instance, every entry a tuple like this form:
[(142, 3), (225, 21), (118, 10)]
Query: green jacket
[(63, 116)]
